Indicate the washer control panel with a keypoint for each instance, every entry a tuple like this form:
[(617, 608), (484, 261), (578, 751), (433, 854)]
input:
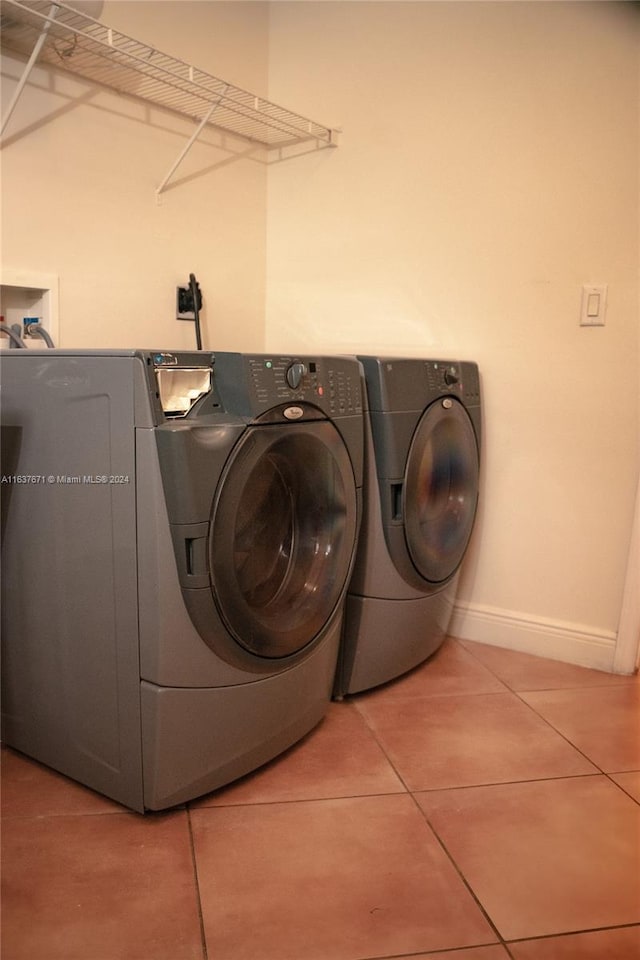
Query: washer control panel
[(195, 384), (331, 383)]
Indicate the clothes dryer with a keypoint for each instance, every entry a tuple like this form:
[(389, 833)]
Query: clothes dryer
[(422, 456), (178, 538)]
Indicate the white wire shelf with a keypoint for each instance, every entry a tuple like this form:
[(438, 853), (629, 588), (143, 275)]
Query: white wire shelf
[(65, 38)]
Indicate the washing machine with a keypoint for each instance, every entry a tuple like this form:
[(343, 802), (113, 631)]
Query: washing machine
[(179, 531), (422, 458)]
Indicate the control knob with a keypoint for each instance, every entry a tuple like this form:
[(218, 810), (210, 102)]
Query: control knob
[(450, 376), (294, 374)]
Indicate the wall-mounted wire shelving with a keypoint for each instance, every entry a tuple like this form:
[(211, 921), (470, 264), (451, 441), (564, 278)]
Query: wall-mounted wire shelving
[(55, 34)]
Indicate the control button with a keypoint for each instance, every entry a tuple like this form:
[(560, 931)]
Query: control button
[(294, 374), (450, 376)]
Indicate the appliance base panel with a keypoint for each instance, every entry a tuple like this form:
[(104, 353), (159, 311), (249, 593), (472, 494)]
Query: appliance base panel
[(385, 638), (196, 740)]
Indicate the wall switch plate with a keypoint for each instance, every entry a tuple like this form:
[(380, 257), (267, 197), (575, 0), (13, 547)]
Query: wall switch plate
[(594, 305)]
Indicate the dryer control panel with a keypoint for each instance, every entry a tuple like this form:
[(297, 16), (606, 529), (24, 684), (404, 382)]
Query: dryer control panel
[(459, 378), (400, 383)]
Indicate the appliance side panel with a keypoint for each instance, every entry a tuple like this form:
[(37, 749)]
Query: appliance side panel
[(71, 695)]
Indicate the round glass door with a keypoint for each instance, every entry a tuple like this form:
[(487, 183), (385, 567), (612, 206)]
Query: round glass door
[(282, 536), (441, 490)]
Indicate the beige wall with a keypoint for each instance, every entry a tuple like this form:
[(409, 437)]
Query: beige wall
[(80, 168), (487, 169)]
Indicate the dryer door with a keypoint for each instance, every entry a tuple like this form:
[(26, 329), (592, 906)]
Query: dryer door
[(441, 489), (282, 535)]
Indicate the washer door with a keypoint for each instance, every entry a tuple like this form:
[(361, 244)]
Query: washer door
[(282, 536), (441, 490)]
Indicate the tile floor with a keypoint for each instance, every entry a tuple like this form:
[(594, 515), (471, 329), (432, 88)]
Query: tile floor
[(485, 806)]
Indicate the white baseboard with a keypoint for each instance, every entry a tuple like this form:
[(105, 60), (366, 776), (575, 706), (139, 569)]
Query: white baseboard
[(555, 639)]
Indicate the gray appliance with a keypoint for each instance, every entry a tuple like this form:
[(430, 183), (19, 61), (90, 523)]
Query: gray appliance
[(422, 456), (178, 534)]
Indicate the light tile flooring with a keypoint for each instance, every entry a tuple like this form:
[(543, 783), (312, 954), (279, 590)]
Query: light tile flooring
[(485, 806)]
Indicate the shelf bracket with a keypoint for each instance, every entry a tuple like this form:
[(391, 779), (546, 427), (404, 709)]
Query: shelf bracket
[(188, 146), (29, 66)]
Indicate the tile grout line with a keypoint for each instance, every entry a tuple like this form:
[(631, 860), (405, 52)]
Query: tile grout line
[(458, 870), (575, 933), (301, 800), (517, 693), (566, 739), (192, 846), (596, 771), (399, 793), (384, 752), (509, 783), (439, 952), (610, 777)]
